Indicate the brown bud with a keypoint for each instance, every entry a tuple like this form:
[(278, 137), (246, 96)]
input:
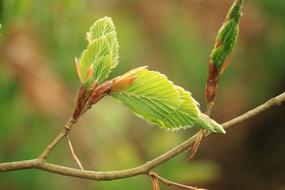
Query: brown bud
[(212, 81), (121, 83), (99, 92), (83, 96), (81, 101)]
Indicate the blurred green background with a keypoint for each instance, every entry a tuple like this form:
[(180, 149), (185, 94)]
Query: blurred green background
[(38, 87)]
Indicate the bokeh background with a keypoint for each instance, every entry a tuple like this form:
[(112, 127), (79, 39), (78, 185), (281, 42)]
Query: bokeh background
[(38, 87)]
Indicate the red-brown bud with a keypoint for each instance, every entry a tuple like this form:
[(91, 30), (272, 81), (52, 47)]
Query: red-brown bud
[(212, 82), (99, 92), (83, 96), (121, 83)]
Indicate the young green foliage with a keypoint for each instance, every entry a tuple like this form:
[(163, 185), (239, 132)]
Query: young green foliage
[(148, 94), (153, 97), (227, 35), (101, 54)]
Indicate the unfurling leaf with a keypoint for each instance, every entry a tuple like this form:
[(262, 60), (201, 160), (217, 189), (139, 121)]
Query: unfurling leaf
[(101, 54), (105, 27), (225, 43), (153, 97), (227, 36)]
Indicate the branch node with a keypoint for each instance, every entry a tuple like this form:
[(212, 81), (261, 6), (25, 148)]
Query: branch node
[(69, 123)]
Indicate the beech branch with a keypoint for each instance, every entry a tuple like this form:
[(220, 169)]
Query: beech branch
[(41, 163)]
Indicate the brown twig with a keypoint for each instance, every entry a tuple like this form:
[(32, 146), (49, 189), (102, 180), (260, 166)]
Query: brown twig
[(157, 178), (142, 169), (195, 145), (155, 184), (73, 155)]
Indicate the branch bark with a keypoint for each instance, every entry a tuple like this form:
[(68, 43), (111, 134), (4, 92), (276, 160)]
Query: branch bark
[(145, 168), (276, 101)]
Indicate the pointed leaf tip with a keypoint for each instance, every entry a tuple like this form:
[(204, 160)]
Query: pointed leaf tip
[(211, 124)]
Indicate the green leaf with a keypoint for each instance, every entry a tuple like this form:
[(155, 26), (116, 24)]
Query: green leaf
[(156, 99), (101, 27), (105, 27), (101, 54)]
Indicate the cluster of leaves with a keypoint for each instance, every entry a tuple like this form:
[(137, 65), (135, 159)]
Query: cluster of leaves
[(101, 55), (147, 93)]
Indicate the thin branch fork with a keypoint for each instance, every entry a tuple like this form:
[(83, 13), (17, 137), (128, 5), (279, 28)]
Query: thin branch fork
[(157, 178), (42, 164)]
